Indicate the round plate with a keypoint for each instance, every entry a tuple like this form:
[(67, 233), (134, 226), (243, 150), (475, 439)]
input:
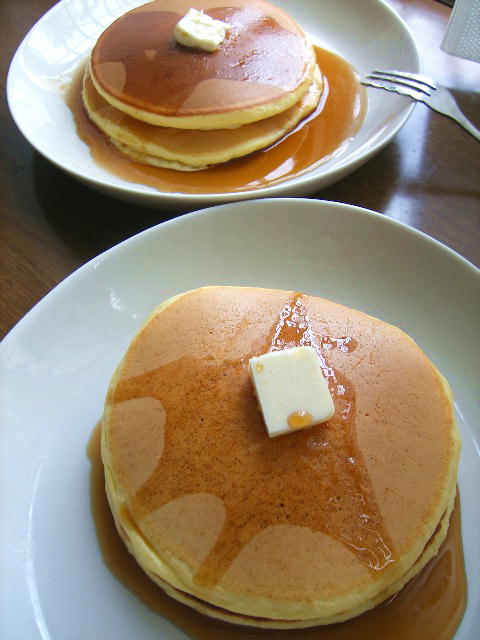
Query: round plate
[(368, 34), (56, 364)]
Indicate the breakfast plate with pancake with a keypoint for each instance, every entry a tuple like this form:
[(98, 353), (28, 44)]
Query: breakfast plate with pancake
[(292, 532), (105, 91)]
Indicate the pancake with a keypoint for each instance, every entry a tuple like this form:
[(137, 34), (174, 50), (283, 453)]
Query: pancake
[(190, 150), (309, 528), (264, 66), (136, 545)]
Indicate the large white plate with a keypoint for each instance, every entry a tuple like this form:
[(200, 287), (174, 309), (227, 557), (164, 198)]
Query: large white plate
[(56, 364), (367, 33)]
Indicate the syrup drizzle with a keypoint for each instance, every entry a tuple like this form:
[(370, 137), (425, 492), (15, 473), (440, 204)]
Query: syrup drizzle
[(340, 502), (322, 135), (366, 534), (171, 74), (429, 606)]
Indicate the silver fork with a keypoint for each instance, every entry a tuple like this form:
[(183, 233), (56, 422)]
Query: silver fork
[(422, 89)]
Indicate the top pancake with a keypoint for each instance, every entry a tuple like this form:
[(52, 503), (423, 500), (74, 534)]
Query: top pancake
[(307, 525), (263, 67)]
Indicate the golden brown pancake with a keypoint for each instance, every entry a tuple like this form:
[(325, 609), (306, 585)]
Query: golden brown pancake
[(264, 66), (189, 149), (309, 528), (136, 545)]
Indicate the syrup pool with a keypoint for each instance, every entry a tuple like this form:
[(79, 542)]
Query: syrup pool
[(320, 136), (429, 606)]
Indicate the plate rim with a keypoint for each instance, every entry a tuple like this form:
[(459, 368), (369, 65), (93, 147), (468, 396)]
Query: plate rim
[(215, 209)]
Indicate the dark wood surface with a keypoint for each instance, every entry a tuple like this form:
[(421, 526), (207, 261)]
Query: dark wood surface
[(428, 177)]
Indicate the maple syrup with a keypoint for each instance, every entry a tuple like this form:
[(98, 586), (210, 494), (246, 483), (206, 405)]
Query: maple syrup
[(341, 503), (137, 61), (323, 134), (299, 419), (429, 606)]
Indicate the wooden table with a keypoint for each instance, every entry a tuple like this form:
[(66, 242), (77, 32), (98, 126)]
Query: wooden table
[(428, 177)]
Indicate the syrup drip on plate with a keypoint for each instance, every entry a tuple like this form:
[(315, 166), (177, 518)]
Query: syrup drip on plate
[(429, 606), (320, 136)]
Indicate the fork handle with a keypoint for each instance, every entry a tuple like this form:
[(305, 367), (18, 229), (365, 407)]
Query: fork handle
[(466, 124), (452, 110)]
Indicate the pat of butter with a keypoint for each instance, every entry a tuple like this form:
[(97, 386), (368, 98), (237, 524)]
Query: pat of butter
[(199, 31), (291, 390)]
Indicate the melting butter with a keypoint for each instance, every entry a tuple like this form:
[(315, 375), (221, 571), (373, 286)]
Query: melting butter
[(291, 389), (198, 30)]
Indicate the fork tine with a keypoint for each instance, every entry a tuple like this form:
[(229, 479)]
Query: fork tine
[(396, 87), (416, 77), (422, 89), (400, 81)]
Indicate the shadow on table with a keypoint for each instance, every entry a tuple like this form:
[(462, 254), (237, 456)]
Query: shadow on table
[(89, 222), (372, 185), (85, 220)]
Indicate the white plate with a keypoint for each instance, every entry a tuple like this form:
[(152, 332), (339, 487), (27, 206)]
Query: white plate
[(368, 34), (57, 362)]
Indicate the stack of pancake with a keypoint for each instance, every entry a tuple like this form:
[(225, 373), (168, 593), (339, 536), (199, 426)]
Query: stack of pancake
[(309, 528), (167, 105)]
